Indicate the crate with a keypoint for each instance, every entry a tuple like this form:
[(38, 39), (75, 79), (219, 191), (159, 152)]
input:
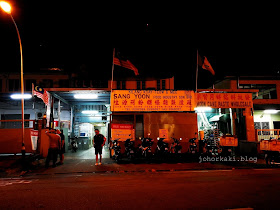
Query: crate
[(228, 141), (270, 145), (264, 145)]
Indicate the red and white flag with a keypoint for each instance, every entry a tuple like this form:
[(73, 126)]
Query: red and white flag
[(42, 94), (126, 64)]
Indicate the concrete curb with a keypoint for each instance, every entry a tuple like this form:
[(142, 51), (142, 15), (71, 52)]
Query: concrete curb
[(146, 171)]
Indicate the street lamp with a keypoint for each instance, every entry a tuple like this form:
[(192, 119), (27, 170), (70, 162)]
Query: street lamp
[(6, 7)]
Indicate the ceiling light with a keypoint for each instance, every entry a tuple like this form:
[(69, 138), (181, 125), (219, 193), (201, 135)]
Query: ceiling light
[(20, 96), (203, 108), (85, 96), (89, 112), (271, 111)]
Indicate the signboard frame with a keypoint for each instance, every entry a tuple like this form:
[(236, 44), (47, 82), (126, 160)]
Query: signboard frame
[(152, 100), (224, 100), (122, 131)]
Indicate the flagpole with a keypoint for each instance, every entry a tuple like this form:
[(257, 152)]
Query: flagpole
[(113, 66), (33, 106), (213, 83), (196, 76)]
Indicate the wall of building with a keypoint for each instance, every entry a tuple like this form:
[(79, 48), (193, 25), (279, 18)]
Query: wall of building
[(64, 115), (263, 101), (259, 116), (149, 84), (11, 141), (179, 125), (31, 112), (38, 78), (231, 85)]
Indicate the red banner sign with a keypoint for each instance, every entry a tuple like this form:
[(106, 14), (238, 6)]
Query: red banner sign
[(224, 100), (122, 126)]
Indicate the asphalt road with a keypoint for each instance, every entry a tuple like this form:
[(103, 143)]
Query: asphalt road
[(198, 189)]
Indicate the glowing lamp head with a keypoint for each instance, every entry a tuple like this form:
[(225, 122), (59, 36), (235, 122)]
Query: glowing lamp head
[(271, 111), (202, 109), (6, 7), (20, 96), (89, 112), (85, 96)]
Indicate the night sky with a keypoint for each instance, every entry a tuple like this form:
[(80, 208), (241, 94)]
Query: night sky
[(236, 39)]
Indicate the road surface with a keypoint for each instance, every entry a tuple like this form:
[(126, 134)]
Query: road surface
[(197, 189)]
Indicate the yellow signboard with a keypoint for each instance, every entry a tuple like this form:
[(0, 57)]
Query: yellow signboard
[(163, 133), (224, 100), (152, 100)]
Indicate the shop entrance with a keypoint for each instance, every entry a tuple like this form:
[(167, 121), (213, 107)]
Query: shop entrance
[(88, 110), (215, 122), (87, 131), (220, 121)]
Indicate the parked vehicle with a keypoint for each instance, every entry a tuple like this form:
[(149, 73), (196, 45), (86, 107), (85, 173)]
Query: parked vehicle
[(226, 151), (176, 146), (162, 148), (147, 147), (271, 149), (212, 150), (129, 149), (272, 158), (227, 144), (193, 146), (74, 144), (117, 150)]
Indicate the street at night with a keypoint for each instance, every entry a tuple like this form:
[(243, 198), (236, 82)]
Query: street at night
[(121, 114), (78, 183), (194, 189)]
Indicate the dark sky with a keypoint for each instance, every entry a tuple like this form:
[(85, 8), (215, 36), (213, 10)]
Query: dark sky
[(236, 39)]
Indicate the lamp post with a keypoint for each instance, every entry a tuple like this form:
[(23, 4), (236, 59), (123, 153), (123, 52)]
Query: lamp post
[(6, 7)]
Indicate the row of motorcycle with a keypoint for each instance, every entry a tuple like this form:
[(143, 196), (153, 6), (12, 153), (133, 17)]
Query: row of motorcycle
[(144, 148)]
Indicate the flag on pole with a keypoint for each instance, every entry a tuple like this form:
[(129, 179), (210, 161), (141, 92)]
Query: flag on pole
[(204, 63), (126, 64), (42, 94)]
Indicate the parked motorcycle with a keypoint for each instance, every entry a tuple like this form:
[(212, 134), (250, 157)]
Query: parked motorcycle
[(74, 144), (117, 149), (211, 150), (129, 149), (176, 146), (227, 151), (193, 146), (162, 148), (146, 147)]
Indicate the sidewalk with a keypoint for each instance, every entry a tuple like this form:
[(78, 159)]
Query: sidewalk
[(84, 162)]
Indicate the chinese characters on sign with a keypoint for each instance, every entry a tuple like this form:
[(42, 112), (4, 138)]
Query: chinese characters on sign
[(168, 100), (152, 100), (122, 132), (224, 100)]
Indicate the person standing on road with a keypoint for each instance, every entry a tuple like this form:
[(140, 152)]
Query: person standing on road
[(55, 144), (98, 142)]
